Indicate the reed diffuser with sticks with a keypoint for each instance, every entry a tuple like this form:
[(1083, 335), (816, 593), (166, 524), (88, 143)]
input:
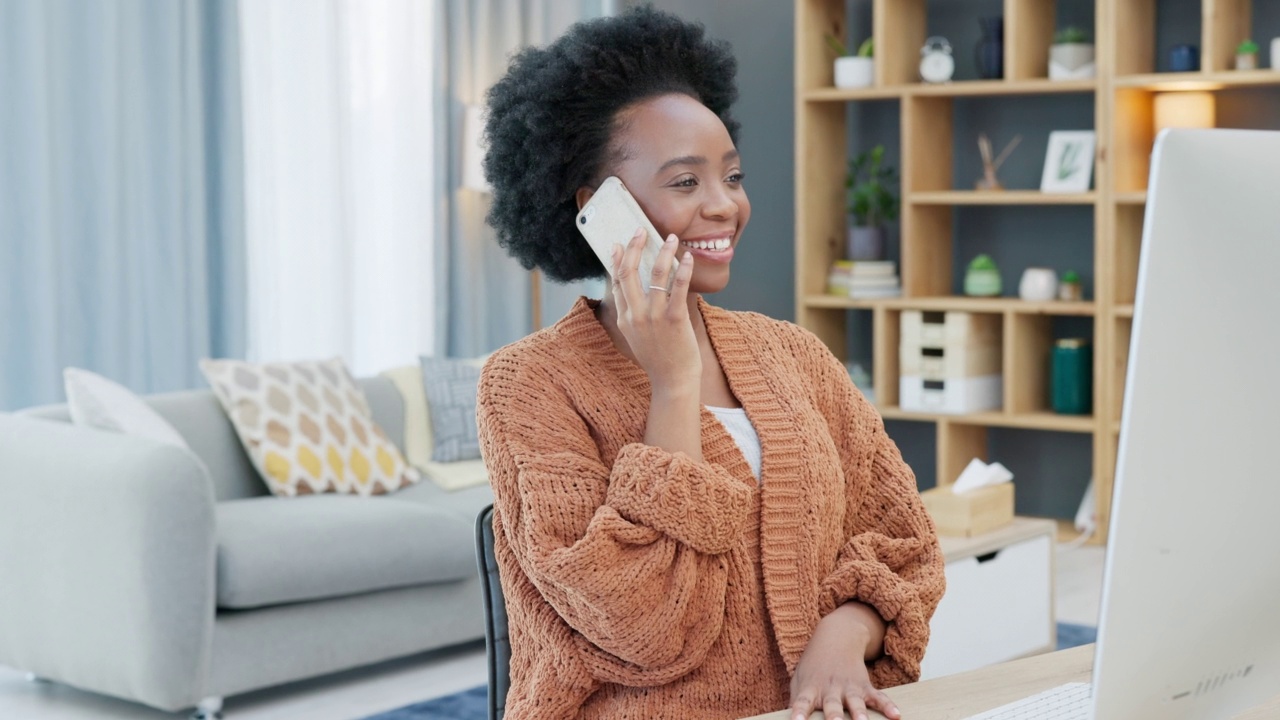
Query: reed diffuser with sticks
[(991, 164)]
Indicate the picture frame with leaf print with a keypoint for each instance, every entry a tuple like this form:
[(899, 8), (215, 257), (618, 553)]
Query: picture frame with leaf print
[(1068, 161)]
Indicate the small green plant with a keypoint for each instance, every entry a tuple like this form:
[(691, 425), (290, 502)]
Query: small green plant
[(870, 184), (982, 262), (1248, 47), (1071, 276), (1071, 36), (866, 49)]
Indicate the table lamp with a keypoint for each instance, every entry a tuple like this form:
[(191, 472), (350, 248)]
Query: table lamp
[(1184, 110)]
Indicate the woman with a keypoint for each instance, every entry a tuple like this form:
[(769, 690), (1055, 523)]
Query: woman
[(696, 514)]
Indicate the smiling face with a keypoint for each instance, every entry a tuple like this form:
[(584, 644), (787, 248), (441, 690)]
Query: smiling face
[(678, 161)]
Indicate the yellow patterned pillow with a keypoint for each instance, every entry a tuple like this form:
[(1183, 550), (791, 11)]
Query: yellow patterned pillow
[(307, 427)]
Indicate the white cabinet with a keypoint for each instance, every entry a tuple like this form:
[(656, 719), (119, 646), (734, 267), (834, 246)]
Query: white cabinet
[(999, 600)]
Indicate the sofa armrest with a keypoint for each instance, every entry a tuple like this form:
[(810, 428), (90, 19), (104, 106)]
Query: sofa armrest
[(107, 561)]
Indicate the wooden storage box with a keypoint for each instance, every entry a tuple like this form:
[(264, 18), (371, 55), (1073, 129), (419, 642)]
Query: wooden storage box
[(971, 513), (949, 329), (951, 362), (957, 396)]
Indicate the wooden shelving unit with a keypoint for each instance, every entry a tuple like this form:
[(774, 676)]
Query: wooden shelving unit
[(1006, 197), (1122, 97)]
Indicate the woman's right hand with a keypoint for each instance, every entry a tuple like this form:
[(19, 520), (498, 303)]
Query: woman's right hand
[(655, 323)]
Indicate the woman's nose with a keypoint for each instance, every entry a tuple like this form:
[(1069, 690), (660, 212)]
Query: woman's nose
[(719, 204)]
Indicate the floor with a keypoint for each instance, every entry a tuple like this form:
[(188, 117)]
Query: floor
[(364, 692)]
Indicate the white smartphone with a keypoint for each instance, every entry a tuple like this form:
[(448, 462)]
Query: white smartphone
[(610, 218)]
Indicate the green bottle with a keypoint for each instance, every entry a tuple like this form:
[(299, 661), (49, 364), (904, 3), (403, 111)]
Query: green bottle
[(1072, 377)]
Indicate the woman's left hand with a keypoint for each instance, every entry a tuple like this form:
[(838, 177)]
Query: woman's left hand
[(832, 672)]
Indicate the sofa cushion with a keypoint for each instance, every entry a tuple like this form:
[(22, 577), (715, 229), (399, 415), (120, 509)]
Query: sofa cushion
[(464, 504), (307, 427), (451, 388), (96, 402), (272, 551)]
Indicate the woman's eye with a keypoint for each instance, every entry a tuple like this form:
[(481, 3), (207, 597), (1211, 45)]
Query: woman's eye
[(736, 178), (685, 182)]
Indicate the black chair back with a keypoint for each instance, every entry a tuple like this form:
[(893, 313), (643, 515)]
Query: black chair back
[(497, 644)]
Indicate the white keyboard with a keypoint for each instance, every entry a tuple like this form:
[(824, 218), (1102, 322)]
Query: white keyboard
[(1065, 702)]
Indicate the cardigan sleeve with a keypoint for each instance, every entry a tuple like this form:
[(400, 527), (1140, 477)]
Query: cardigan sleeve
[(891, 559), (618, 549)]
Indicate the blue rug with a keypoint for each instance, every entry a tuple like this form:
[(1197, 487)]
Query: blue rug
[(470, 704), (473, 704)]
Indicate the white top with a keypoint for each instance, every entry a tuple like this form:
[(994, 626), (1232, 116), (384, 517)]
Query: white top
[(735, 420)]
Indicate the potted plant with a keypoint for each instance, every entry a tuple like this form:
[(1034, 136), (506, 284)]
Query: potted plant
[(854, 71), (1247, 55), (1071, 57), (871, 203), (982, 279)]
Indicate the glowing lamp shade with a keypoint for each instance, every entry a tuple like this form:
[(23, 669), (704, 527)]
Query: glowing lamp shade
[(1185, 110)]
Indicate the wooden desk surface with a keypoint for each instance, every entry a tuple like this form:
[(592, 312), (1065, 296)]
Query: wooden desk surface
[(959, 696)]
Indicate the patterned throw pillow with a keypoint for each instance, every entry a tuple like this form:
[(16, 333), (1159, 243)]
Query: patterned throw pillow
[(307, 427), (451, 387)]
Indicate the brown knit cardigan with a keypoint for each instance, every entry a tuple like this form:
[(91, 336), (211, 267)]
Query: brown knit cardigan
[(640, 584)]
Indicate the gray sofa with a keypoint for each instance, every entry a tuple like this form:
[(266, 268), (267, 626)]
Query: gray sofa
[(171, 578)]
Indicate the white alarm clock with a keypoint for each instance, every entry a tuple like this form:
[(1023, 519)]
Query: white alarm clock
[(936, 63)]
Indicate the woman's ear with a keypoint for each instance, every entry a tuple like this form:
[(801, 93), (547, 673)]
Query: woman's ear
[(583, 195)]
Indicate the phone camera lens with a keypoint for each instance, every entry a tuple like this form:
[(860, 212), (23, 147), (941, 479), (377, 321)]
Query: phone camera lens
[(582, 220)]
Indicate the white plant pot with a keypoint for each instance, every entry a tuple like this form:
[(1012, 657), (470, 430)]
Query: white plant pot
[(1275, 54), (1072, 61), (855, 72), (1247, 61), (1038, 285)]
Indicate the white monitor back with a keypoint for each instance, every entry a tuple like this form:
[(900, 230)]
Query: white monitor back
[(1190, 624)]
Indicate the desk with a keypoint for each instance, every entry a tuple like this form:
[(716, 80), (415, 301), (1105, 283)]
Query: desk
[(959, 696)]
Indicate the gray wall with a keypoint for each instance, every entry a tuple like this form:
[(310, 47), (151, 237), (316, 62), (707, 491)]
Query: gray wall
[(1052, 468)]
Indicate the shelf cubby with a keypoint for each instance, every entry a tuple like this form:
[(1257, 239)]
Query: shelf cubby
[(1128, 246)]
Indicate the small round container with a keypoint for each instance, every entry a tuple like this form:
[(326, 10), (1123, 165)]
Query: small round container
[(1071, 383)]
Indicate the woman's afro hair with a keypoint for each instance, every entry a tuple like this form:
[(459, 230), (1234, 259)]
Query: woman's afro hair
[(551, 119)]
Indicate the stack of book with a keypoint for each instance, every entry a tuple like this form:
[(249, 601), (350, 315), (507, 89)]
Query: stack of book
[(865, 279)]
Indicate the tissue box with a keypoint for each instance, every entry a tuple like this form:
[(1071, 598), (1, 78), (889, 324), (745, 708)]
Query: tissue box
[(972, 513)]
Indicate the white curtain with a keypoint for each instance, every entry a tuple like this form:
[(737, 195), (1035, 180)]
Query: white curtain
[(121, 248), (484, 295), (339, 179)]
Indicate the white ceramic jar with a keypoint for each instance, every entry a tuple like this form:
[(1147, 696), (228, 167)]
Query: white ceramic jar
[(1038, 284)]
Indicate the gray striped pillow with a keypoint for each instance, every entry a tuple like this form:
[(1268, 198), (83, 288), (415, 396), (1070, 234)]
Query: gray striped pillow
[(451, 400)]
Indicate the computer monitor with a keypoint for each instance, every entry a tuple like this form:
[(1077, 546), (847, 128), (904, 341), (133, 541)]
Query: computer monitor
[(1190, 624)]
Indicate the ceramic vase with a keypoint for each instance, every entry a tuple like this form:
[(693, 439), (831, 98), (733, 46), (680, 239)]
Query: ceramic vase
[(989, 54), (1038, 284), (866, 243)]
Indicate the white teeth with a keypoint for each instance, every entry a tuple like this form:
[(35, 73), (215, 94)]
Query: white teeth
[(717, 245)]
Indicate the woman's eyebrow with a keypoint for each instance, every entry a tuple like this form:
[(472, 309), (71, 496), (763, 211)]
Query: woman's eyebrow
[(684, 160), (696, 160)]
